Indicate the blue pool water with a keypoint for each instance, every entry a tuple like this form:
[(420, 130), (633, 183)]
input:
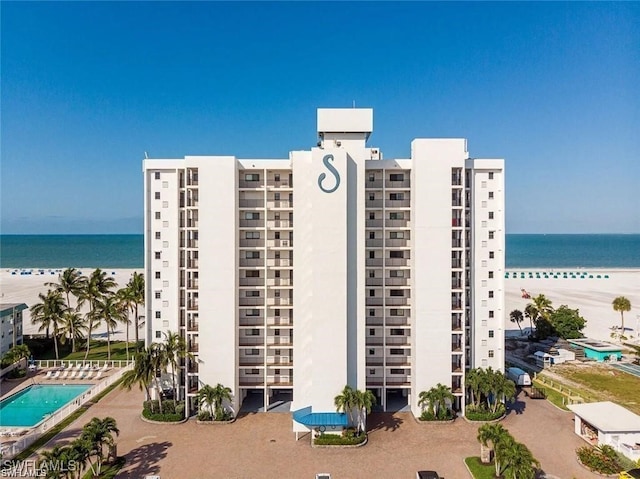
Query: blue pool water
[(31, 405)]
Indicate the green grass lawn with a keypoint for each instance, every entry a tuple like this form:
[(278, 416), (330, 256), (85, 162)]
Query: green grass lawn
[(607, 384), (98, 350), (553, 396), (479, 470)]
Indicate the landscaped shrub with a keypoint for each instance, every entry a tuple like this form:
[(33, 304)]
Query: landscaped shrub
[(171, 411), (204, 416), (161, 417), (17, 373), (443, 415), (601, 459), (336, 440), (481, 413), (224, 415)]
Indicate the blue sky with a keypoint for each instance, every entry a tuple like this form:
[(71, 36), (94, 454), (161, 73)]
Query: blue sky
[(87, 88)]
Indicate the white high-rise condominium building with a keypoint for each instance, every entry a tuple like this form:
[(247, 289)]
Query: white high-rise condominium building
[(292, 278)]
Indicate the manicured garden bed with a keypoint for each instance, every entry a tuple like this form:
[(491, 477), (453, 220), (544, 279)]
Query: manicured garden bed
[(479, 470)]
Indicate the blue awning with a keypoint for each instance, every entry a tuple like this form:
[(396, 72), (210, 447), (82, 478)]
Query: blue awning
[(316, 419)]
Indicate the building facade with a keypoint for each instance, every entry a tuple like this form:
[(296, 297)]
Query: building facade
[(292, 278), (10, 325)]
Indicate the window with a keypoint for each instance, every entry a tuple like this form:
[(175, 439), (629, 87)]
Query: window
[(372, 177), (165, 184), (158, 315), (492, 234), (372, 216), (396, 177), (276, 196), (396, 215), (396, 273), (372, 352), (251, 274), (396, 371), (252, 254), (157, 254), (396, 312), (252, 177), (491, 333), (372, 292), (276, 332), (396, 254), (490, 274), (157, 274), (491, 254), (490, 215), (491, 353), (491, 294), (253, 352), (165, 224), (372, 332), (158, 333), (396, 292), (396, 196), (372, 371), (158, 294), (157, 215), (252, 312), (491, 175), (372, 235), (276, 273), (396, 235), (157, 175), (372, 312), (253, 332), (165, 204), (252, 235), (397, 332), (158, 235), (252, 294), (276, 177), (372, 254), (276, 313), (251, 216), (396, 351), (372, 196), (490, 314), (491, 195), (372, 273), (157, 195)]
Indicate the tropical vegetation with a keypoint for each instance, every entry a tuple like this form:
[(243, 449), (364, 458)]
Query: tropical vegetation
[(15, 354), (349, 437), (601, 459), (516, 316), (436, 403), (59, 312), (489, 391), (621, 305), (212, 403), (511, 459), (88, 452), (356, 404), (546, 321)]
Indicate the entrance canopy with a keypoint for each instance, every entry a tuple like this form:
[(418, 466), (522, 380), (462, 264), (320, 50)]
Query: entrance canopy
[(307, 418)]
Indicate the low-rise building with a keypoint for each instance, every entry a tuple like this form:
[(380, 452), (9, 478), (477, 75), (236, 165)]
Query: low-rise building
[(10, 325)]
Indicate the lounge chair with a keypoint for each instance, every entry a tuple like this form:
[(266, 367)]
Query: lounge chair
[(64, 375), (98, 375), (87, 366), (89, 375), (56, 375), (73, 375), (48, 375), (80, 375)]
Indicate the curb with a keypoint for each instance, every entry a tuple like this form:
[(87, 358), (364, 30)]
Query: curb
[(170, 423)]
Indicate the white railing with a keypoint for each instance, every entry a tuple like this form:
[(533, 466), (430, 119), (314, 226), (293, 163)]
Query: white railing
[(93, 364), (12, 450)]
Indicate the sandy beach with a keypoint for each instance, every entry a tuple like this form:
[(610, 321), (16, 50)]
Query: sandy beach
[(592, 297), (17, 288)]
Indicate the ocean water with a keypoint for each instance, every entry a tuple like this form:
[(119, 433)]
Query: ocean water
[(126, 251)]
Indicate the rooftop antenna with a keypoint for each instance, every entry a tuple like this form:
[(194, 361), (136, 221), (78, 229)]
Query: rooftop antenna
[(146, 156)]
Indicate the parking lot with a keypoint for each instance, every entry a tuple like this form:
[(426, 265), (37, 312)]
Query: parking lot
[(263, 445)]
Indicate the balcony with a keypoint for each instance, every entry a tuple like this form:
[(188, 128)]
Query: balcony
[(192, 305), (192, 326), (279, 184), (456, 263), (456, 243), (193, 284), (374, 361), (250, 184), (374, 204), (397, 242), (251, 321), (280, 321), (398, 301), (456, 367), (374, 185), (279, 282), (397, 203), (279, 341), (251, 341), (397, 321), (398, 340), (456, 346), (251, 223), (456, 306), (397, 281), (397, 261), (374, 243), (399, 361), (280, 204), (274, 243), (399, 380), (374, 281), (248, 203), (251, 281), (279, 381), (374, 223), (286, 262), (279, 361), (397, 223), (193, 368), (456, 222), (372, 301), (373, 262), (374, 321), (251, 380), (279, 301), (456, 179), (373, 341), (456, 284), (252, 301), (248, 243), (279, 224), (398, 184), (252, 262), (251, 361), (193, 347)]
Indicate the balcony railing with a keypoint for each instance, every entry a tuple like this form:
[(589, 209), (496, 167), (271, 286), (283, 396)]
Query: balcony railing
[(402, 243), (397, 321), (252, 262), (374, 243), (397, 261), (279, 301), (373, 262), (251, 242), (375, 184), (250, 184), (278, 184), (398, 301), (397, 203), (397, 281), (279, 282), (399, 380), (251, 281), (251, 321), (274, 224), (251, 380), (398, 184), (279, 262), (374, 321), (371, 301), (374, 203), (253, 301), (251, 340), (247, 203), (252, 223), (374, 281), (279, 204), (401, 340), (193, 348), (192, 326), (456, 263), (251, 361), (397, 223), (280, 321), (374, 223), (373, 340)]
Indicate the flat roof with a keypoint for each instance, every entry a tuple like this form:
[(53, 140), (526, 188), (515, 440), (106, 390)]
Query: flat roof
[(7, 308), (607, 416), (595, 344)]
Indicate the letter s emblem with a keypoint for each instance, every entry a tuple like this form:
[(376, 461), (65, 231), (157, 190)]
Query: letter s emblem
[(326, 160)]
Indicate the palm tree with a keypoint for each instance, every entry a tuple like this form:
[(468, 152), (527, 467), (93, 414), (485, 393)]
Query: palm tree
[(99, 433), (110, 310), (425, 400), (530, 313), (213, 398), (503, 390), (517, 317), (78, 452), (175, 348), (127, 302), (502, 450), (97, 287), (345, 402), (489, 433), (136, 286), (473, 380), (52, 464), (518, 461), (73, 326), (71, 281), (443, 399), (623, 305), (49, 313), (363, 402), (143, 372)]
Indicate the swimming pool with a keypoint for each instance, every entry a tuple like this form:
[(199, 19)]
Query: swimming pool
[(31, 405)]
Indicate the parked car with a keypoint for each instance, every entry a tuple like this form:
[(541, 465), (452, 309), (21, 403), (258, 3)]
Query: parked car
[(428, 475), (632, 474)]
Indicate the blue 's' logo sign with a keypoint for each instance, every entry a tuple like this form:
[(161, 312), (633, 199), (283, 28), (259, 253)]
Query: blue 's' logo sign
[(326, 160)]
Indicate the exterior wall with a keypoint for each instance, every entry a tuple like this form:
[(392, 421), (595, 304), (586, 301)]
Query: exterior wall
[(486, 178), (11, 331), (601, 355)]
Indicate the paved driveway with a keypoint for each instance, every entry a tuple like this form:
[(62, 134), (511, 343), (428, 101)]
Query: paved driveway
[(262, 445)]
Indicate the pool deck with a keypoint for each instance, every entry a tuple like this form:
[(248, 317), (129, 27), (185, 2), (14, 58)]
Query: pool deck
[(263, 444)]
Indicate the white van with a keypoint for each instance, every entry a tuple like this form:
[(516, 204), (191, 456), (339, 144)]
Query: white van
[(519, 376)]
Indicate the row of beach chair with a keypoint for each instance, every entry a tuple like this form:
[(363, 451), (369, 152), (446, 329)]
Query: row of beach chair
[(82, 374)]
